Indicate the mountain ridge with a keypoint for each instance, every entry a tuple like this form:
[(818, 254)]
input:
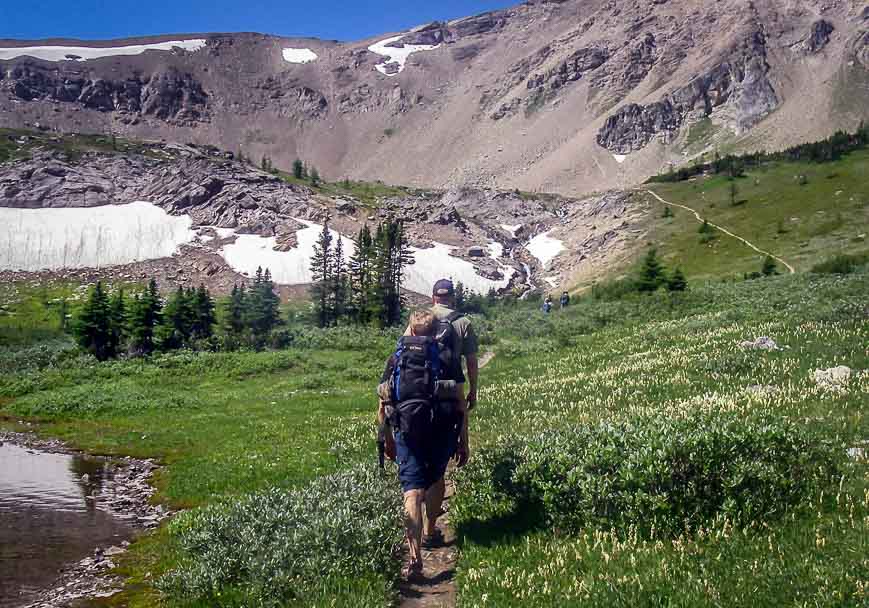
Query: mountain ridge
[(563, 96)]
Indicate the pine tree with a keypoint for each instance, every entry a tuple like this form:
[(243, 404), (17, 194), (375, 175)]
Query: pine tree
[(667, 212), (677, 281), (321, 271), (339, 282), (144, 315), (233, 323), (769, 267), (705, 227), (177, 326), (315, 176), (361, 271), (203, 315), (298, 168), (651, 273), (118, 314), (93, 328), (460, 296)]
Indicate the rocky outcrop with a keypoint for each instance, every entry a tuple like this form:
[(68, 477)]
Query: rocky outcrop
[(167, 94), (571, 69), (738, 90), (819, 37)]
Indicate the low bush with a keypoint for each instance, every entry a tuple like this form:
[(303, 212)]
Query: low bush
[(657, 474), (268, 548), (842, 264), (118, 396)]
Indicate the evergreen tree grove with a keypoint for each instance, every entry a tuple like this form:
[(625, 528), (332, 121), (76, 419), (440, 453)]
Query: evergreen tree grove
[(652, 274), (322, 276)]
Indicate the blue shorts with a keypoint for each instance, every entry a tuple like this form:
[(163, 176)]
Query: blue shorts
[(420, 466)]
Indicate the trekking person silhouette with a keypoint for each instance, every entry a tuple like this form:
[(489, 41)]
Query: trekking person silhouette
[(565, 299)]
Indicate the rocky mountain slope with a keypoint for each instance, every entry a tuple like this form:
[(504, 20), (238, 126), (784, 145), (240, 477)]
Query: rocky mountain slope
[(506, 239), (570, 96)]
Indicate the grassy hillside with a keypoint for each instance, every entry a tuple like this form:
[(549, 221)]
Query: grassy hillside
[(800, 219)]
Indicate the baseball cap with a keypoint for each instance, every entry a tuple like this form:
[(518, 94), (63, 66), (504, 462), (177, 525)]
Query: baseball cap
[(444, 287)]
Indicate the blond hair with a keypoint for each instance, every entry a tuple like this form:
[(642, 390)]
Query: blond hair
[(422, 323)]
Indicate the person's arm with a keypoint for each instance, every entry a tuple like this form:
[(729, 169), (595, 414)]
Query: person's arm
[(473, 377)]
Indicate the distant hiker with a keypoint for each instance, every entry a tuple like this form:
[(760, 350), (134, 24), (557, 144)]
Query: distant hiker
[(565, 299), (423, 431), (547, 305)]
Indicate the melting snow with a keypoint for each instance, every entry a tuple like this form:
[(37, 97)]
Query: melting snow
[(436, 263), (37, 239), (299, 55), (83, 53), (544, 248), (396, 55), (250, 251), (620, 158), (292, 267), (511, 229), (496, 249)]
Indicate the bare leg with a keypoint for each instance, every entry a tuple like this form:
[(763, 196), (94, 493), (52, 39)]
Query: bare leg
[(413, 500), (434, 499)]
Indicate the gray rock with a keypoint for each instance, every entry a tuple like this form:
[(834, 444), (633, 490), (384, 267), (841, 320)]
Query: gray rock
[(761, 343)]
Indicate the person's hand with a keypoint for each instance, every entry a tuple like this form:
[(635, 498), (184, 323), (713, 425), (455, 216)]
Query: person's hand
[(463, 453), (471, 399)]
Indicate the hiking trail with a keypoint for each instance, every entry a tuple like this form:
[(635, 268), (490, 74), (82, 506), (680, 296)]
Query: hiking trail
[(436, 588), (725, 231)]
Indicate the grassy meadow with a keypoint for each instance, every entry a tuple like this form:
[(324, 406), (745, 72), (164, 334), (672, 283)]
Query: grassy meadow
[(627, 451)]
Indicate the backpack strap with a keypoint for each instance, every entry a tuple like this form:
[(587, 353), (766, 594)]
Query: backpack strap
[(454, 316)]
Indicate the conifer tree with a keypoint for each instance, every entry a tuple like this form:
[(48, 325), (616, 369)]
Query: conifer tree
[(233, 323), (93, 328), (460, 296), (298, 168), (118, 312), (769, 267), (651, 273), (144, 315), (339, 282), (677, 281), (176, 328), (204, 318), (362, 288), (321, 271), (315, 176)]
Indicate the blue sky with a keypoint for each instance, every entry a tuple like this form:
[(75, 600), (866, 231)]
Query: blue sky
[(327, 19)]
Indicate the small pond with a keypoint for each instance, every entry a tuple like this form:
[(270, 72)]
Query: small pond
[(49, 518)]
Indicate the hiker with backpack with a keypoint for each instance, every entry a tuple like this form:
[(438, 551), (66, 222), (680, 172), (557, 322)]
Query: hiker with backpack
[(565, 299), (422, 438), (422, 401)]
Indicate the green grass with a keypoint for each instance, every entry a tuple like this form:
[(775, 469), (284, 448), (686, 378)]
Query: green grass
[(662, 356), (802, 224)]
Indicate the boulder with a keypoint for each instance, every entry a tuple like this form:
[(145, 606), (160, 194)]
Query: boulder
[(834, 377), (761, 343)]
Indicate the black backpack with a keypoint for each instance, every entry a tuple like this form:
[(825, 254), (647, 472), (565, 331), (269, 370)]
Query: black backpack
[(446, 337), (416, 371)]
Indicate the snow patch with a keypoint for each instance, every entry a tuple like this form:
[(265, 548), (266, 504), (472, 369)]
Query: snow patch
[(511, 229), (89, 237), (396, 55), (83, 53), (250, 251), (544, 248), (620, 158), (496, 250), (299, 55), (436, 263)]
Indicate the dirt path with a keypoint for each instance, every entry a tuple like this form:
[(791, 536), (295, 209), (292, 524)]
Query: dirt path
[(436, 588), (725, 231)]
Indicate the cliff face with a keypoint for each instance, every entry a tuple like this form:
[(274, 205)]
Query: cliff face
[(568, 96)]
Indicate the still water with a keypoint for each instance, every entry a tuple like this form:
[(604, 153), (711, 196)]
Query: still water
[(49, 517)]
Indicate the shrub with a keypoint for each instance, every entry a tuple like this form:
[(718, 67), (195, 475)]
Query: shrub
[(658, 474), (278, 545), (841, 264)]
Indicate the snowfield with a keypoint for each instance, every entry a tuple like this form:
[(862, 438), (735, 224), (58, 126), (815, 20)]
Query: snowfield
[(250, 251), (511, 229), (620, 158), (396, 55), (544, 248), (299, 55), (436, 263), (83, 53), (51, 239)]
